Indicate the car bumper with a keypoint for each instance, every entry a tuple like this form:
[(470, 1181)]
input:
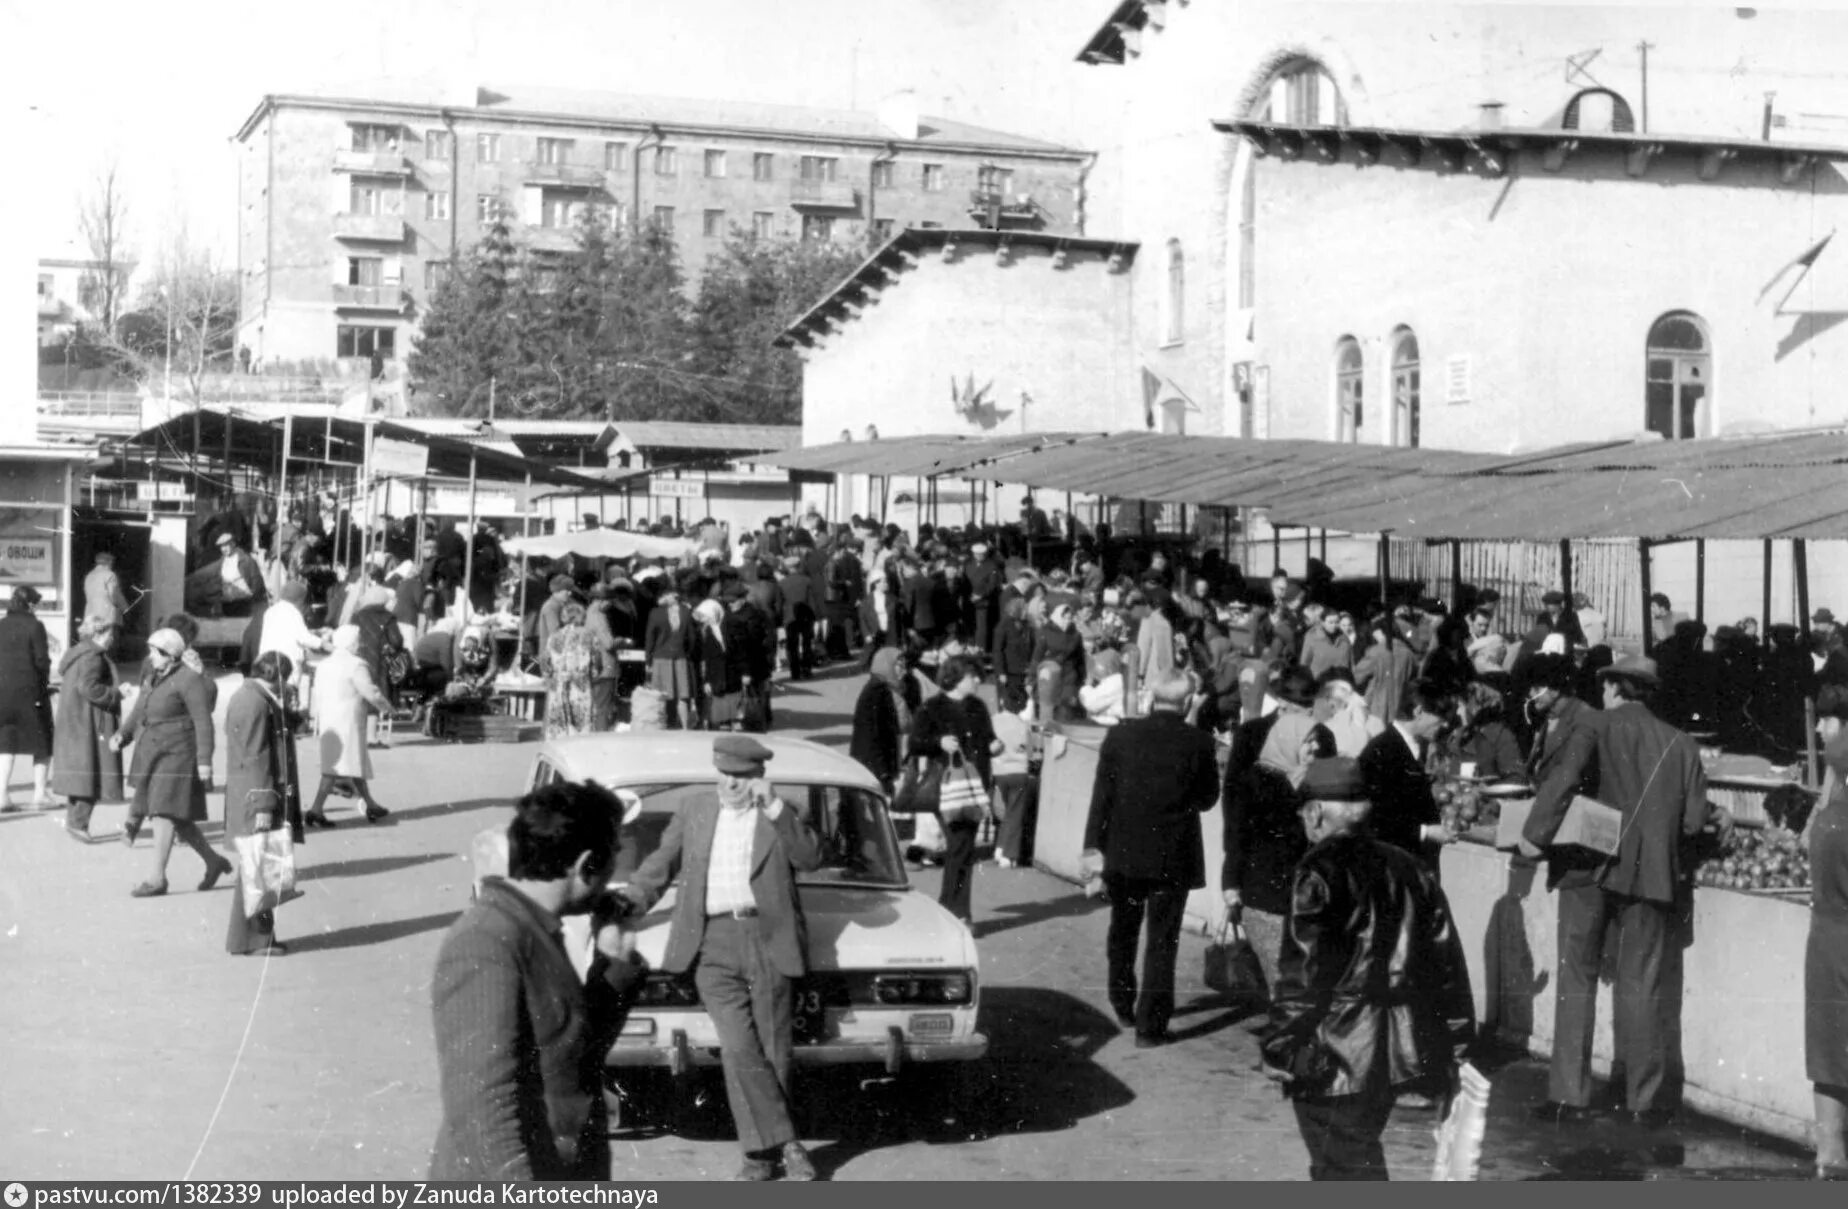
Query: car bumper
[(894, 1053)]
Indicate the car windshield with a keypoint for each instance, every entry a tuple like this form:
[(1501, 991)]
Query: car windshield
[(858, 847)]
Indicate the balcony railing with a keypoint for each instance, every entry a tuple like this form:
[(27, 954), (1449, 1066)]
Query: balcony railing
[(103, 404), (823, 195), (382, 163), (379, 228), (1008, 207), (370, 297), (568, 176)]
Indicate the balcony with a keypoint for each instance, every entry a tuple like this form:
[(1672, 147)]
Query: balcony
[(823, 195), (551, 239), (369, 297), (994, 208), (566, 176), (372, 163), (373, 228)]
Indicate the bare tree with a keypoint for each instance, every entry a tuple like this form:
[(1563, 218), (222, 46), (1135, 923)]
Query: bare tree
[(102, 217), (184, 322)]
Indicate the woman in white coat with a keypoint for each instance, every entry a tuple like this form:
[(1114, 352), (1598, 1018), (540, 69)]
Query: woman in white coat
[(343, 689)]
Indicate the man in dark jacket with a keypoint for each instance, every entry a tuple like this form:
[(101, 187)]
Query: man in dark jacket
[(1651, 773), (985, 576), (1393, 762), (1371, 993), (798, 617), (1155, 777), (519, 1040)]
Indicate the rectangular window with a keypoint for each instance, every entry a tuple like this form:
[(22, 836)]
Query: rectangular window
[(713, 226), (487, 148), (436, 205), (930, 226), (554, 151), (557, 211), (365, 270), (615, 157), (439, 145), (667, 162), (664, 217), (990, 178), (763, 166), (375, 200), (933, 178), (44, 286), (436, 272), (487, 208), (817, 227), (882, 174), (763, 224), (368, 137), (819, 167), (882, 229), (715, 164), (357, 340)]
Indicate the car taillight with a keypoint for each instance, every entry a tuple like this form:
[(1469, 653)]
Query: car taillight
[(668, 990), (896, 989)]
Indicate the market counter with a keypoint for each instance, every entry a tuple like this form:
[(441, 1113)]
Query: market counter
[(1742, 1012)]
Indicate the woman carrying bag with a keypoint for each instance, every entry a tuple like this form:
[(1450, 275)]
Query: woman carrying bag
[(954, 735), (259, 781)]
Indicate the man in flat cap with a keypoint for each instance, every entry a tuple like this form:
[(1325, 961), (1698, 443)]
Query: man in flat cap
[(551, 613), (738, 927), (1371, 996)]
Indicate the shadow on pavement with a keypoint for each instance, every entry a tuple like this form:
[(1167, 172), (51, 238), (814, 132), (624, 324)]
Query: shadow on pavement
[(370, 934), (1022, 915), (439, 809), (363, 866)]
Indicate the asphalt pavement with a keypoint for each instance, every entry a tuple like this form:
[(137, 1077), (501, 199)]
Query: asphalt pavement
[(133, 1047)]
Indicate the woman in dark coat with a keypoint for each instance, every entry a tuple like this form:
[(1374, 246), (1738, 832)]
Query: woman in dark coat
[(171, 728), (259, 776), (670, 645), (882, 717), (25, 706), (85, 768), (722, 665), (1058, 642), (956, 720)]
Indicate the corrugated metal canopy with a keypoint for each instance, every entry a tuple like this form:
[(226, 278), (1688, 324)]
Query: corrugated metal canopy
[(920, 455)]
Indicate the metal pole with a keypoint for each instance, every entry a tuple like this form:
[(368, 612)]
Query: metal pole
[(282, 485), (1456, 574), (1700, 579), (468, 550), (1764, 622), (1799, 554), (1324, 547), (1642, 554), (1385, 570)]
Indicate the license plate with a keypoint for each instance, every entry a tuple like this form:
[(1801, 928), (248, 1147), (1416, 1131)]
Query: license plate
[(809, 1013)]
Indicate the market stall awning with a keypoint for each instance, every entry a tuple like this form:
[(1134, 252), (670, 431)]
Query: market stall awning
[(928, 455), (600, 543)]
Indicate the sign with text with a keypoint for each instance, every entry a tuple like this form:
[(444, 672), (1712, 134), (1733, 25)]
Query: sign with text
[(400, 459), (165, 493), (678, 489), (453, 501), (25, 560)]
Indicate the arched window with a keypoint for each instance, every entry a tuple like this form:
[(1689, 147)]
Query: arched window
[(1405, 388), (1173, 298), (1296, 91), (1679, 395), (1349, 375), (1598, 109)]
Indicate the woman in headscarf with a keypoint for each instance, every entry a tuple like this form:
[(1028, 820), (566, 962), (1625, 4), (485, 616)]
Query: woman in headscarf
[(343, 690), (25, 705), (722, 666), (259, 780), (171, 728), (669, 644), (85, 768), (882, 717), (571, 660), (1102, 698), (1059, 644)]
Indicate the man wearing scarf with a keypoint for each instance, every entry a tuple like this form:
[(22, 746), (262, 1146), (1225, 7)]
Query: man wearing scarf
[(738, 926)]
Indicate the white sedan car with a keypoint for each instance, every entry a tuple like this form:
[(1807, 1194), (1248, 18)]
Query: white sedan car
[(893, 977)]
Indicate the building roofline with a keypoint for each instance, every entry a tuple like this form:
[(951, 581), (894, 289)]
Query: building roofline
[(270, 101), (886, 264), (1108, 44), (1492, 148)]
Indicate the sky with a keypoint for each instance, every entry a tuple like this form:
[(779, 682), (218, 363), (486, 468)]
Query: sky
[(161, 88)]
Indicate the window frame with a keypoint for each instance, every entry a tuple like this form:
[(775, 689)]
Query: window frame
[(615, 156), (763, 224), (487, 148), (930, 177), (439, 146), (708, 228), (666, 160), (763, 166), (663, 217), (884, 173), (343, 330), (712, 156), (1350, 421), (435, 200), (552, 150), (818, 228), (1407, 389), (1681, 362)]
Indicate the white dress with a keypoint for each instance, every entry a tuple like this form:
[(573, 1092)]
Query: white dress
[(342, 687)]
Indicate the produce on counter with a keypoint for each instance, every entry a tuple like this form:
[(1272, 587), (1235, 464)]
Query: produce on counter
[(1462, 806), (1768, 858)]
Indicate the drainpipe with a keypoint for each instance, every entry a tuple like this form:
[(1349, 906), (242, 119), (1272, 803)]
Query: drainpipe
[(1084, 176), (635, 177), (455, 187), (872, 188)]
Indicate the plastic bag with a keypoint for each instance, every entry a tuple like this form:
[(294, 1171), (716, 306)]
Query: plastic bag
[(961, 798), (1459, 1138), (265, 870), (927, 836)]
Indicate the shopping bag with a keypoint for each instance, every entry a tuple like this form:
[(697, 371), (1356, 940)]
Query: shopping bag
[(265, 870), (961, 798), (1232, 966), (1459, 1138), (927, 836), (647, 709), (920, 790)]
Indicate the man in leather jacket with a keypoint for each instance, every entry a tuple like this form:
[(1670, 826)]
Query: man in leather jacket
[(1371, 996)]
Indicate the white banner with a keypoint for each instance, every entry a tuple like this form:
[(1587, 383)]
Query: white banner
[(25, 560), (403, 459)]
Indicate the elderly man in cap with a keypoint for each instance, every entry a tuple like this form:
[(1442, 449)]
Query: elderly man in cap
[(1371, 997), (1651, 773), (102, 589), (241, 587), (738, 926)]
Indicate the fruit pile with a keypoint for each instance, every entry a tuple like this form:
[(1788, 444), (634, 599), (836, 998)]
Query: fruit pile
[(1461, 806), (1768, 858)]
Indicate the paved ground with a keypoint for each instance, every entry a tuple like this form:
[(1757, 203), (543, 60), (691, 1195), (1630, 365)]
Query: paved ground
[(131, 1046)]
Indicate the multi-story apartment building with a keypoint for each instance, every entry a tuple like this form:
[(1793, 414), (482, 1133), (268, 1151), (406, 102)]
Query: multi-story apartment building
[(352, 209)]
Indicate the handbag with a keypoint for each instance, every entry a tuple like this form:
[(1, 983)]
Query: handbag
[(1232, 966), (961, 798), (921, 789), (265, 870)]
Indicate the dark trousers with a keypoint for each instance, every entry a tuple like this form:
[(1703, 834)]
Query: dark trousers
[(603, 704), (1165, 907), (1019, 803), (748, 999), (1646, 1024), (957, 895), (1343, 1134), (799, 641)]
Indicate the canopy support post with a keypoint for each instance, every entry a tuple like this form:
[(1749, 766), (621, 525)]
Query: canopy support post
[(1456, 575), (1385, 570), (282, 487), (1565, 569), (1700, 579), (1799, 554), (1308, 550), (1324, 533), (468, 550), (1225, 534), (1276, 546), (1764, 620), (1642, 554)]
